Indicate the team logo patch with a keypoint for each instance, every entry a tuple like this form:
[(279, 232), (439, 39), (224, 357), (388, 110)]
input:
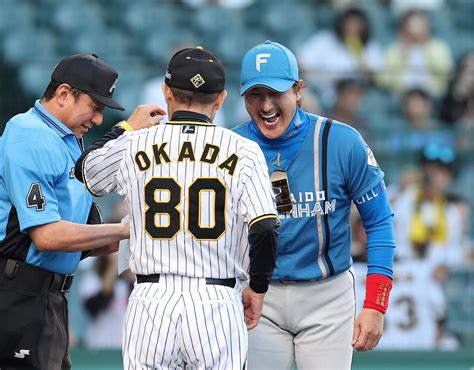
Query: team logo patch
[(278, 161), (114, 85), (261, 59), (188, 129), (371, 161), (197, 81)]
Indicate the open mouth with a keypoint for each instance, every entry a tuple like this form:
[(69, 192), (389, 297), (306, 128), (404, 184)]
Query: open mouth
[(270, 120)]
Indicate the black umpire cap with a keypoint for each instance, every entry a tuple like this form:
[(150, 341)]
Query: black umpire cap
[(90, 74), (197, 70)]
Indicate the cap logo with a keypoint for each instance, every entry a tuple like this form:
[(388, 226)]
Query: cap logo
[(261, 59), (197, 81), (114, 85)]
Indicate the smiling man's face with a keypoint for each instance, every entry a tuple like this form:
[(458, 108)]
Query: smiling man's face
[(271, 110), (83, 113)]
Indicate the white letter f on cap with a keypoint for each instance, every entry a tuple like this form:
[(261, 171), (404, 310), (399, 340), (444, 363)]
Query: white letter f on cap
[(261, 58)]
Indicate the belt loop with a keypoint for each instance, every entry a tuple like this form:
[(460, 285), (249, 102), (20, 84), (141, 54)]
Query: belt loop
[(11, 266)]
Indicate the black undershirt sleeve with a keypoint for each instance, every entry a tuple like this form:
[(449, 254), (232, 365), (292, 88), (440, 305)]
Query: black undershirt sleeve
[(263, 239), (95, 218), (113, 134)]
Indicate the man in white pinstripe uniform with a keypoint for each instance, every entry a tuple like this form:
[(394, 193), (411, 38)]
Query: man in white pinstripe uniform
[(202, 215)]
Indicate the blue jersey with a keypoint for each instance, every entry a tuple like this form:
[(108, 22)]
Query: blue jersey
[(37, 186), (328, 165)]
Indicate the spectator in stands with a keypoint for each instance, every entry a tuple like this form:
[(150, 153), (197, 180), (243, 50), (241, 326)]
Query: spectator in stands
[(430, 227), (457, 106), (416, 127), (347, 51), (402, 6), (429, 221), (231, 4), (416, 59), (347, 107), (417, 109)]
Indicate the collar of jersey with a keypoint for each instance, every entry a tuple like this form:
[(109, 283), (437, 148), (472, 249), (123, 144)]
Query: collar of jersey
[(297, 128), (52, 121), (182, 117)]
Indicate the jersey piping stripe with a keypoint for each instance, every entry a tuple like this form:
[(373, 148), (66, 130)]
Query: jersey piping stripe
[(325, 139), (261, 218), (50, 121), (57, 127), (317, 171)]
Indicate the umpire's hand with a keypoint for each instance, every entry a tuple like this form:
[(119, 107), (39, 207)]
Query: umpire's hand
[(368, 329), (145, 116)]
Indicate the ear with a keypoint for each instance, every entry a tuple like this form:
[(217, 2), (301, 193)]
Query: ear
[(167, 93), (220, 99), (298, 88), (61, 94)]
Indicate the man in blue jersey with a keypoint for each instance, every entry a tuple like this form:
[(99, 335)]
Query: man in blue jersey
[(318, 168), (45, 210)]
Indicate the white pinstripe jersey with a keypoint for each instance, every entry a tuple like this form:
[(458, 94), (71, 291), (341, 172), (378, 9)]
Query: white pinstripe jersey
[(192, 190)]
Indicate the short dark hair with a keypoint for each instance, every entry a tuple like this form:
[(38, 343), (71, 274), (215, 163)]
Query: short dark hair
[(354, 12), (53, 86), (191, 97), (299, 103), (348, 83), (416, 91)]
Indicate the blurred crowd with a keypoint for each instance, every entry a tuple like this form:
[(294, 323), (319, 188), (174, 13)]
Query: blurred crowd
[(412, 98)]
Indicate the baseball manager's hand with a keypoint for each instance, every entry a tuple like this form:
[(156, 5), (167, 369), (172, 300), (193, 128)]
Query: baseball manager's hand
[(145, 116), (253, 303)]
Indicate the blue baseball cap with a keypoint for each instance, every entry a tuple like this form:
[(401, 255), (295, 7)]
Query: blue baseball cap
[(269, 64)]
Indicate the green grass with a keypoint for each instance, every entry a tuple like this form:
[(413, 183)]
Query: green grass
[(460, 360)]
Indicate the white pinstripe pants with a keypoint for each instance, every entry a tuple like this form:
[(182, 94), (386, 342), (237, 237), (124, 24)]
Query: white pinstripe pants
[(181, 322)]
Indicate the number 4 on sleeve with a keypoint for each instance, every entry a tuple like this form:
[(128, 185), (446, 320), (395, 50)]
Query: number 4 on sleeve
[(35, 197)]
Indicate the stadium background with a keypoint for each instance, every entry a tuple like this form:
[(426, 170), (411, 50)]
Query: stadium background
[(138, 37)]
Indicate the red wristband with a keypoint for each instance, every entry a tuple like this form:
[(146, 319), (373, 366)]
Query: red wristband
[(377, 292)]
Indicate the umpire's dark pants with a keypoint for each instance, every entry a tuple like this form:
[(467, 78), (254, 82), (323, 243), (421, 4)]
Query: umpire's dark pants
[(33, 318)]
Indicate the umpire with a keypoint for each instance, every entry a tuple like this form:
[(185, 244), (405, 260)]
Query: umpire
[(44, 212)]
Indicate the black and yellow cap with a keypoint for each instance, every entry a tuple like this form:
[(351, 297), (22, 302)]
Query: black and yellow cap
[(197, 70)]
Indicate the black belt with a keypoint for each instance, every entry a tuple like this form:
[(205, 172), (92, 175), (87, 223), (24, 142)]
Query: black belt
[(21, 275), (155, 278)]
